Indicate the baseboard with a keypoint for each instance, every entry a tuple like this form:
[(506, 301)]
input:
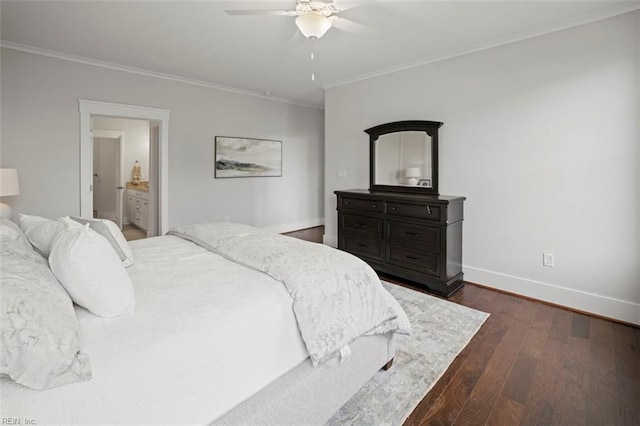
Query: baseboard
[(604, 306), (295, 226), (330, 240)]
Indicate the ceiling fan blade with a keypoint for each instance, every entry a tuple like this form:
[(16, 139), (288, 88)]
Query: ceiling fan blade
[(343, 5), (350, 26), (249, 12)]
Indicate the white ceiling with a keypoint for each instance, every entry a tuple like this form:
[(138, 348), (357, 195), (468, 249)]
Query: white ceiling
[(198, 41)]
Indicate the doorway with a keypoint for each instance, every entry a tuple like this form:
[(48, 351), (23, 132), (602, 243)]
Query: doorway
[(121, 174), (158, 124)]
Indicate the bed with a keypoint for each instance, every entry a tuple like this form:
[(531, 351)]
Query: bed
[(216, 336)]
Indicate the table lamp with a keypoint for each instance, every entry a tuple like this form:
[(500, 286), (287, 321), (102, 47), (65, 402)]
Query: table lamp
[(413, 175), (8, 186)]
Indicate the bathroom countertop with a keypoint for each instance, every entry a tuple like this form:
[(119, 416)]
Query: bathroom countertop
[(142, 186)]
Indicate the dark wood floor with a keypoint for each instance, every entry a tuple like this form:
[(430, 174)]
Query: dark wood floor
[(310, 234), (533, 364)]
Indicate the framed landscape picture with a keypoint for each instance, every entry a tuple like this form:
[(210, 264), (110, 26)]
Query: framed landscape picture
[(246, 157)]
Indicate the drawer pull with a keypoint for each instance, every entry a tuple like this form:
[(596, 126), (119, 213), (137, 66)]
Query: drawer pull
[(375, 206), (348, 203), (413, 234), (394, 208), (364, 225), (413, 258), (362, 245), (429, 210)]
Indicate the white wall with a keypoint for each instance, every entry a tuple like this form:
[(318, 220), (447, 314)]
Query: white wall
[(135, 142), (542, 138), (40, 137)]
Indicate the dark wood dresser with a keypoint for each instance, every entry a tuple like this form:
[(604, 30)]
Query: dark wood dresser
[(417, 237)]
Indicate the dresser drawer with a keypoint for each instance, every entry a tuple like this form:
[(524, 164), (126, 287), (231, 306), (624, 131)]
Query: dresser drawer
[(426, 237), (412, 259), (422, 211), (363, 247), (373, 206), (365, 225)]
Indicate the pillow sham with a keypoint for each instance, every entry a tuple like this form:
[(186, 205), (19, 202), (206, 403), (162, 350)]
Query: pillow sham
[(89, 269), (112, 233), (39, 344), (39, 231)]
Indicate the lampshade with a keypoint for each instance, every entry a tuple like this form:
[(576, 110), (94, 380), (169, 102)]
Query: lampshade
[(9, 182), (8, 187), (313, 25), (413, 172)]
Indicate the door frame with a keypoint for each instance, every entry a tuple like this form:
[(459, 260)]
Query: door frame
[(87, 108)]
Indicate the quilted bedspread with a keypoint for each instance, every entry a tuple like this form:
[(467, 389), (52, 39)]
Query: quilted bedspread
[(336, 296)]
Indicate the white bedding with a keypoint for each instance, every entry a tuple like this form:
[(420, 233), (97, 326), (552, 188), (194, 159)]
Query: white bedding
[(171, 361)]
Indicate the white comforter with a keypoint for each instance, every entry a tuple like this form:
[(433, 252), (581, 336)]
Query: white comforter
[(336, 296)]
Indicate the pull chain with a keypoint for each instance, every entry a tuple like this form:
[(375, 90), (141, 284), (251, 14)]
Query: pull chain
[(313, 57)]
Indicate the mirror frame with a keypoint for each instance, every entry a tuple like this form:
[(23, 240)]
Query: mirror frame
[(430, 128)]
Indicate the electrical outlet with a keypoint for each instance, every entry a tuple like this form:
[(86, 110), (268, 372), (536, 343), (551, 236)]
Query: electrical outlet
[(342, 174), (547, 260)]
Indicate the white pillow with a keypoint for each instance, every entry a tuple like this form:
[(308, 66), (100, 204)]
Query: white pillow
[(39, 231), (91, 272), (112, 233)]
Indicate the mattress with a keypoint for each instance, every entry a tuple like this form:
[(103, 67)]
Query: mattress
[(206, 335)]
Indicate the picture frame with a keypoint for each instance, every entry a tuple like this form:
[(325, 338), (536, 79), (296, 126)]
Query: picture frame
[(425, 182), (247, 157)]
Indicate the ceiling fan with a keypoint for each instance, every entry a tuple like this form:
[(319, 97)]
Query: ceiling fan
[(314, 17)]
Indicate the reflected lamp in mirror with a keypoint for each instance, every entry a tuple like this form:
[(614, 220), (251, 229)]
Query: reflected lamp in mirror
[(8, 187), (413, 175)]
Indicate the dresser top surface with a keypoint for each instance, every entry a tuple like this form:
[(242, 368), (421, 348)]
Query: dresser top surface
[(400, 196)]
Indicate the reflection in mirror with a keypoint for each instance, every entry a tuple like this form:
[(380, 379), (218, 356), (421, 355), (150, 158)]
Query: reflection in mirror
[(403, 158)]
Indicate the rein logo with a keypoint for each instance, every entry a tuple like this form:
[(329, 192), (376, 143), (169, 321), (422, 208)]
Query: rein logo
[(16, 421)]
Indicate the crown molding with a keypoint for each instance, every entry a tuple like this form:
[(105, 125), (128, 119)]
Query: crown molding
[(583, 20), (147, 73)]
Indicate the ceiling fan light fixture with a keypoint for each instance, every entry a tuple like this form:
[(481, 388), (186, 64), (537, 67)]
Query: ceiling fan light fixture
[(313, 25)]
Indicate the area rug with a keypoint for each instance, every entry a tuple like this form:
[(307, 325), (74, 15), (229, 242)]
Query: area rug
[(440, 331)]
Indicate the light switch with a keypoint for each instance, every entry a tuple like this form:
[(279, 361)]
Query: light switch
[(342, 174)]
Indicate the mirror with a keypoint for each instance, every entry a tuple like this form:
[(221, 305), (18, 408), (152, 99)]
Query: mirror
[(404, 157)]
